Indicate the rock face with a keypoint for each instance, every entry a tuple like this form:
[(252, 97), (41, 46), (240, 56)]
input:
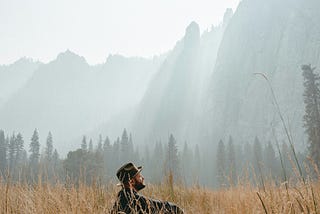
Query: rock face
[(270, 37), (169, 96), (174, 99), (207, 88), (69, 97)]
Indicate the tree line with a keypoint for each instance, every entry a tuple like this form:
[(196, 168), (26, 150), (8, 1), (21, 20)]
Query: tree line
[(17, 164), (221, 164)]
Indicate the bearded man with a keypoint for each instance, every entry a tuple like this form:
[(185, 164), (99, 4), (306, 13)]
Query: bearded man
[(129, 201)]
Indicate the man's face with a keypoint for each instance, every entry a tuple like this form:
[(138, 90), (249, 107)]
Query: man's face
[(138, 183)]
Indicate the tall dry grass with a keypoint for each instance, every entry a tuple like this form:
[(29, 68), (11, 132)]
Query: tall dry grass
[(303, 197)]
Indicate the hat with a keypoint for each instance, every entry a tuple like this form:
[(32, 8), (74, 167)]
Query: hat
[(128, 171)]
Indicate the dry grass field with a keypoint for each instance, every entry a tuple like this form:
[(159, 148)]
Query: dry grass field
[(303, 197)]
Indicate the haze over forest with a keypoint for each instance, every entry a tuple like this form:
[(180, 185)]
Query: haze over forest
[(202, 90), (207, 90)]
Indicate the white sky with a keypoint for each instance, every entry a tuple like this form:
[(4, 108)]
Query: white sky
[(41, 29)]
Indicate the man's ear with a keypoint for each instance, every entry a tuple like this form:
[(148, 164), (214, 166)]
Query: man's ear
[(132, 181)]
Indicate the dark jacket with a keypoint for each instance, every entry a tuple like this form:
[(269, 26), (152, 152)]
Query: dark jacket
[(130, 202)]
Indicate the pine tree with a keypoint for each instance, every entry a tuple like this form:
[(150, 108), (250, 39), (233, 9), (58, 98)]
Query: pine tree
[(186, 163), (19, 148), (160, 154), (116, 154), (312, 111), (270, 158), (172, 164), (221, 163), (55, 160), (107, 151), (106, 144), (55, 156), (158, 161), (34, 151), (24, 157), (7, 142), (231, 162), (124, 146), (12, 152), (49, 148), (84, 146), (107, 157), (99, 147), (130, 148), (90, 146), (3, 153), (286, 155)]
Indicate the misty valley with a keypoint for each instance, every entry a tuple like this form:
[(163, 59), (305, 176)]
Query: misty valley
[(226, 121)]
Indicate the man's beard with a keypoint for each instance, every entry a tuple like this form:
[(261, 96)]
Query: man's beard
[(139, 186)]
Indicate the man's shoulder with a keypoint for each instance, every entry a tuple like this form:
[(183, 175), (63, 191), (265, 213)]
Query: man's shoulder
[(127, 193), (123, 191)]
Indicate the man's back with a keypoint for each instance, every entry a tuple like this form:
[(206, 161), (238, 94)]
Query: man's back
[(129, 202)]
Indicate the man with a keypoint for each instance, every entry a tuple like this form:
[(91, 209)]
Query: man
[(129, 201)]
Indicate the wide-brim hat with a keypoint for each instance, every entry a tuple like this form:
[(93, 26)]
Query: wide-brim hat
[(127, 172)]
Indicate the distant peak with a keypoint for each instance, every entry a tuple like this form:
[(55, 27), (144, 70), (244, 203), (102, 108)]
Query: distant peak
[(24, 61), (67, 53), (192, 35), (193, 27), (70, 56)]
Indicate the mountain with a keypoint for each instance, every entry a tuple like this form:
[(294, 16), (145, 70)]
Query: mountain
[(14, 76), (207, 87), (174, 98), (203, 90), (270, 37), (69, 97)]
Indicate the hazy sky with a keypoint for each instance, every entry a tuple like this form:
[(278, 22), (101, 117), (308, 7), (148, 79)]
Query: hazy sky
[(41, 29)]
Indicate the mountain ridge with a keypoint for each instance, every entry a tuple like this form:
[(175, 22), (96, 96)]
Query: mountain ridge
[(69, 97)]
